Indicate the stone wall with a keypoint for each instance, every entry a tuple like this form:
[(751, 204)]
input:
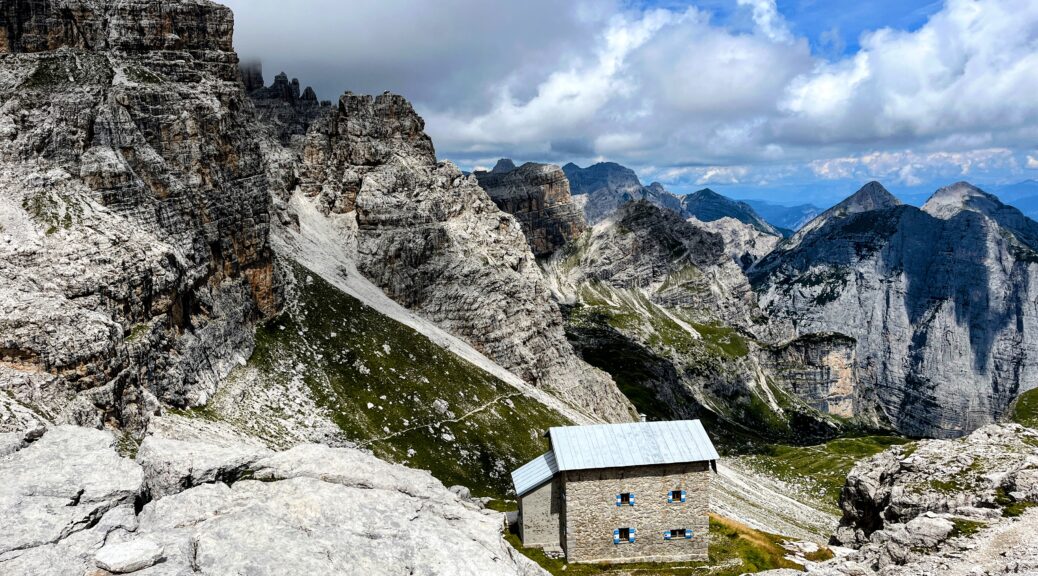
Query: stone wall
[(540, 515), (592, 513)]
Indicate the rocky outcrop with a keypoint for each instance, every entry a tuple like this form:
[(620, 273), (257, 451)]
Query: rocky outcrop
[(433, 240), (937, 301), (69, 500), (134, 252), (820, 370), (538, 196), (950, 507), (744, 243), (607, 186), (709, 206), (281, 106)]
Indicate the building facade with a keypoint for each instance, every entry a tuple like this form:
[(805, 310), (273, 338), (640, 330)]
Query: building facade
[(620, 493)]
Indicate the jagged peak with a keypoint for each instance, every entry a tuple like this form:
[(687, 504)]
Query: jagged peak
[(872, 196), (503, 166)]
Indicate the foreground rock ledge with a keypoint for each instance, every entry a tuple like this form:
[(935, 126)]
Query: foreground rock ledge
[(68, 501)]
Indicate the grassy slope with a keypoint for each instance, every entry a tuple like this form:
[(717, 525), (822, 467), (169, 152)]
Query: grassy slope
[(390, 389), (820, 471), (734, 549), (625, 334), (1025, 409)]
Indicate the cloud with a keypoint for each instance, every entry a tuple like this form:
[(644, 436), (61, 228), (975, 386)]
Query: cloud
[(911, 168), (694, 96), (768, 20)]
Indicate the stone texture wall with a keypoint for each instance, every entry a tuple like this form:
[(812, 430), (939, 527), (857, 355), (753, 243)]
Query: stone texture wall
[(134, 208), (592, 513), (540, 514), (538, 195), (819, 369)]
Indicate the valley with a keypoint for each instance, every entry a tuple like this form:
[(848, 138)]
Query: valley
[(263, 333)]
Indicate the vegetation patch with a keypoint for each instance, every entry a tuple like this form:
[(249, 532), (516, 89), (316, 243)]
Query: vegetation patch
[(1011, 507), (734, 549), (823, 468), (965, 527), (390, 389), (1025, 409), (53, 212)]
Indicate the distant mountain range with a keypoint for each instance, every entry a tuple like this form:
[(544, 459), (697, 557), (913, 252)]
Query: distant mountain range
[(788, 219)]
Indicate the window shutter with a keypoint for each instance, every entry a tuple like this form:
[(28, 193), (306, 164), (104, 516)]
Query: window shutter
[(670, 497), (682, 496), (632, 535), (688, 533), (618, 500), (666, 534), (632, 498), (616, 536)]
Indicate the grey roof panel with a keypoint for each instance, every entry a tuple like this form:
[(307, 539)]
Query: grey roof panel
[(534, 473), (631, 444)]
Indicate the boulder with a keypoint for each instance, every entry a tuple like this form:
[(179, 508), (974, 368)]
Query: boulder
[(129, 556)]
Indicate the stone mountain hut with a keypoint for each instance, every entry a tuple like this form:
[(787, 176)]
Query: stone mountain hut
[(620, 493)]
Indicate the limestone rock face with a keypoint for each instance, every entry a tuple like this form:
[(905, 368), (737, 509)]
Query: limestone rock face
[(282, 107), (68, 507), (937, 301), (433, 240), (648, 246), (744, 243), (171, 466), (538, 196), (134, 215), (939, 508), (820, 370), (607, 186)]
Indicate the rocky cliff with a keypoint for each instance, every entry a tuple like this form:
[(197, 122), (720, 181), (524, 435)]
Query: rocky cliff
[(282, 107), (937, 301), (538, 195), (433, 240), (134, 253), (607, 186)]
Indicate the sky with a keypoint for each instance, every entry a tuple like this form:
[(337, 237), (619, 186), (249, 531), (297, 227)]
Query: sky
[(787, 100)]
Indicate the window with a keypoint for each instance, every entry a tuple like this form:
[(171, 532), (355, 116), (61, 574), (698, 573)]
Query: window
[(625, 499), (623, 536), (677, 534), (676, 496)]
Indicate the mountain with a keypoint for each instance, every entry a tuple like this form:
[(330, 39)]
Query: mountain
[(135, 260), (538, 195), (935, 300), (658, 302), (606, 186), (785, 217), (708, 206)]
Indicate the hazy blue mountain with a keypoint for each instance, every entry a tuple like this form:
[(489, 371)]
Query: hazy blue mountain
[(785, 217)]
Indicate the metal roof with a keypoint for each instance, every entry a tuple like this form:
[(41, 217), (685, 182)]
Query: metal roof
[(534, 473), (633, 444)]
